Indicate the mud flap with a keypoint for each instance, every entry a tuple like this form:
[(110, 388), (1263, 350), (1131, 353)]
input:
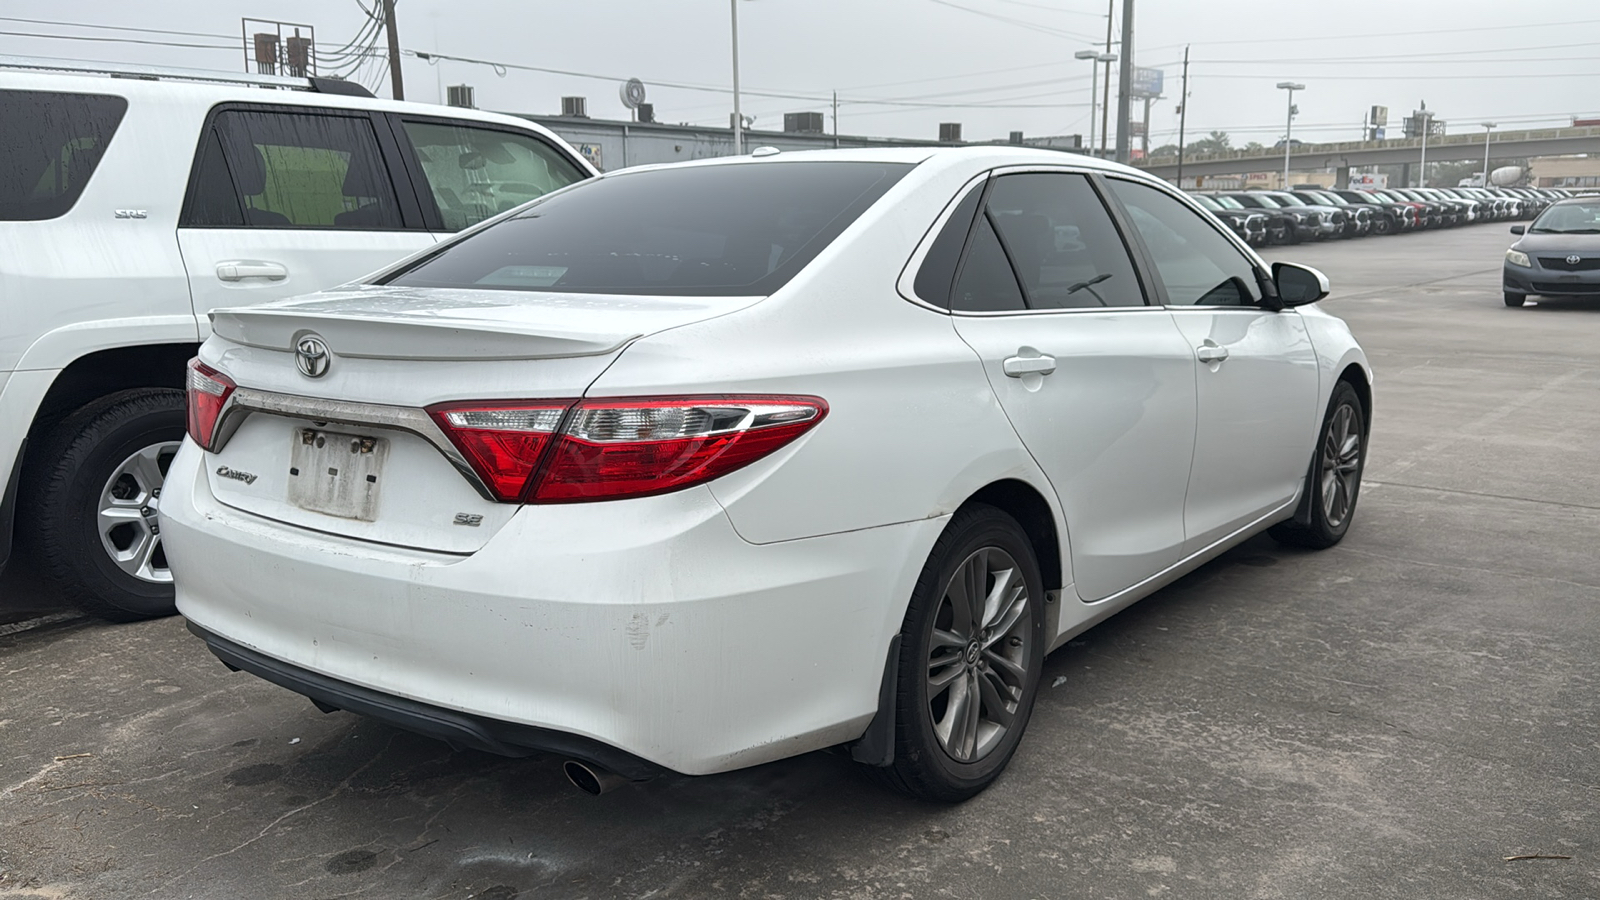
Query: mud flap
[(876, 747)]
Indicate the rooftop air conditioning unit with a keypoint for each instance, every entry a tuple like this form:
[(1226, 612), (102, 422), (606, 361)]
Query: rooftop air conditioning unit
[(950, 132), (576, 107), (460, 95), (803, 123)]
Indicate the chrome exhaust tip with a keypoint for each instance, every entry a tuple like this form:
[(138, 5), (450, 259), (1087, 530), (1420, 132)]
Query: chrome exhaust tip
[(591, 779)]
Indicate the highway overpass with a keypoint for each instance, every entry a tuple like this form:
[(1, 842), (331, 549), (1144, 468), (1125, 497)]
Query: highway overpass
[(1442, 148)]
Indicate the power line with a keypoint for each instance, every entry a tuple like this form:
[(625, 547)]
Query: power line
[(1073, 12), (1383, 34), (116, 40), (1020, 23)]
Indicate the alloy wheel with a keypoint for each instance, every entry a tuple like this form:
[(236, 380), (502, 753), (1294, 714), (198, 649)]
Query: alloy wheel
[(977, 657), (129, 516), (1341, 465)]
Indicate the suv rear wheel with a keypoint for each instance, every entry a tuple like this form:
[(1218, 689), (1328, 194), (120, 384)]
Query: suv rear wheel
[(95, 500)]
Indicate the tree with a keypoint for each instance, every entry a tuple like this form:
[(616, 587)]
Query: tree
[(1253, 147), (1215, 142)]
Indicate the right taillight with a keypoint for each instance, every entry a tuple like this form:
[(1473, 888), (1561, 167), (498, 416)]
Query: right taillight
[(207, 392), (608, 449)]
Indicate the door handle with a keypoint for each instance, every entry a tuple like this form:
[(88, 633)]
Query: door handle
[(1018, 366), (240, 269), (1210, 353)]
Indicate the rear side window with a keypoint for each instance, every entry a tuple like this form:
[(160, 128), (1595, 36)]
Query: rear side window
[(474, 173), (1067, 252), (50, 144), (292, 170), (740, 229)]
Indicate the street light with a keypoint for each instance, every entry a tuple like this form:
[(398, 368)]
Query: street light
[(1098, 57), (1427, 126), (1288, 136), (1488, 129)]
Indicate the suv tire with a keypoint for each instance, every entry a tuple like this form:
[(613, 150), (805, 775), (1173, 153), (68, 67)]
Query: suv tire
[(94, 496)]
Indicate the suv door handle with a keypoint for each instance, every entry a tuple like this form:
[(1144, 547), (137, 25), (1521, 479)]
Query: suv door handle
[(1018, 366), (240, 269), (1209, 353)]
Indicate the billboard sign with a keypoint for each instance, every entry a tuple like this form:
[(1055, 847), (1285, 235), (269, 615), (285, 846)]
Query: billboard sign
[(593, 154), (1147, 82), (1380, 116)]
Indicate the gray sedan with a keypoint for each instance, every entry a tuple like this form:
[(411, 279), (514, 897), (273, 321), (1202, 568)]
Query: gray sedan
[(1558, 255)]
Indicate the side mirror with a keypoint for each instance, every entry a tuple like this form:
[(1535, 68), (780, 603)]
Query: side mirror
[(1519, 229), (1298, 285)]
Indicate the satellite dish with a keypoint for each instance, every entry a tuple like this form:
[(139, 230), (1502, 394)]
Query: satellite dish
[(632, 93)]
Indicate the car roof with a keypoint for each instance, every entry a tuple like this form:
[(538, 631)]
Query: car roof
[(194, 89), (977, 158)]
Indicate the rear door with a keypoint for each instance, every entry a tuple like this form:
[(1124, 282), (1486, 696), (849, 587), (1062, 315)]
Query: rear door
[(1098, 384), (1256, 371), (289, 200)]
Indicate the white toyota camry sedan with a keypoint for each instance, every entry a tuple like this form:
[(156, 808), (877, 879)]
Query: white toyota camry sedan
[(699, 466)]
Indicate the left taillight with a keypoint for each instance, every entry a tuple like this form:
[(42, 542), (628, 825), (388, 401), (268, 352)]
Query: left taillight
[(208, 391), (585, 450)]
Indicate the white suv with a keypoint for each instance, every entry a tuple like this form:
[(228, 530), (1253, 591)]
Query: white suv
[(135, 201)]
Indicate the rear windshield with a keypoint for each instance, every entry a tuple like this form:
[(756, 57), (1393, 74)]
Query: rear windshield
[(50, 144), (727, 230)]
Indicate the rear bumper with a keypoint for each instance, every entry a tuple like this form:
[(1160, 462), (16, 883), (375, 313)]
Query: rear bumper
[(458, 729), (648, 628)]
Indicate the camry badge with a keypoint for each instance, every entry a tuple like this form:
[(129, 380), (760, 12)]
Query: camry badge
[(311, 356), (1574, 259)]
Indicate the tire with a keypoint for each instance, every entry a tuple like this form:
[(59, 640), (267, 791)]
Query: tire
[(1382, 225), (94, 496), (1334, 479), (980, 543), (1515, 299)]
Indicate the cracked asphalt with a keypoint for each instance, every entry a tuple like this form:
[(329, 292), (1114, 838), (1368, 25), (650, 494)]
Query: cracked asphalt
[(1391, 718)]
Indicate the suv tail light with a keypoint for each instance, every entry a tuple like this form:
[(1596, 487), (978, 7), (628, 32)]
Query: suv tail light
[(207, 391), (614, 448)]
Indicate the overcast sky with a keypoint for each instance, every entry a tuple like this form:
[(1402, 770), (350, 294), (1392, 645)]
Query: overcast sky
[(995, 66)]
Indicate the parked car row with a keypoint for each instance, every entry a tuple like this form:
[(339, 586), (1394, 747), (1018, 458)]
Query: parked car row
[(1317, 214)]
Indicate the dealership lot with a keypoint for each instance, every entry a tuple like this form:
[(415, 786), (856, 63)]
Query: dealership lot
[(1389, 718)]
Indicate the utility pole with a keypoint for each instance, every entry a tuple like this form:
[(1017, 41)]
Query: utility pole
[(1105, 102), (1125, 83), (835, 120), (1144, 136), (738, 117), (397, 85), (1183, 113)]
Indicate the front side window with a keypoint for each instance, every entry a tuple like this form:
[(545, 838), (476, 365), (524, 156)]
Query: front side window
[(475, 173), (736, 229), (294, 170), (1197, 264), (50, 143)]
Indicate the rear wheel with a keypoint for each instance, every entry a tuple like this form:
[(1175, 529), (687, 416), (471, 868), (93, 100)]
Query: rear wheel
[(1382, 225), (1515, 299), (971, 652), (95, 503)]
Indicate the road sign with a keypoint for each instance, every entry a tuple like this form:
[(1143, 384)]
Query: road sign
[(1147, 82)]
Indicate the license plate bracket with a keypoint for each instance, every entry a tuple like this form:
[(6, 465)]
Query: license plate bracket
[(336, 473)]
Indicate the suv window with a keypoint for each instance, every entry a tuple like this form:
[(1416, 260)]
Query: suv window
[(475, 173), (730, 230), (1197, 264), (1060, 238), (49, 147), (293, 170)]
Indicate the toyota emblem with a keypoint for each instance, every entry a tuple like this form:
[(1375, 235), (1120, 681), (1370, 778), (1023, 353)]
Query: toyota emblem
[(311, 356), (1574, 259)]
